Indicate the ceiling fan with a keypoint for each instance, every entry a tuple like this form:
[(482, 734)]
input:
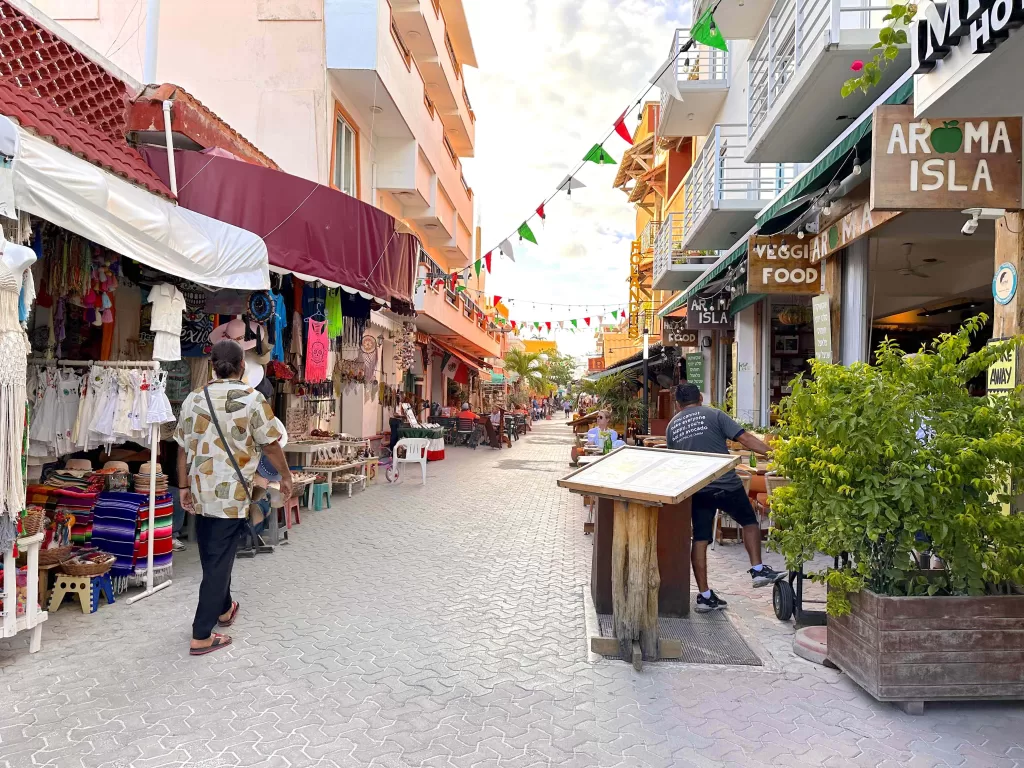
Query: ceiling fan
[(910, 270)]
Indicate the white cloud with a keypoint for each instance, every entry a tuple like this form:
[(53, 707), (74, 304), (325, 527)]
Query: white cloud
[(554, 75)]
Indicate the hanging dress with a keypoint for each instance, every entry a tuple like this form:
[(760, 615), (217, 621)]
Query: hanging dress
[(280, 322), (317, 349), (14, 350)]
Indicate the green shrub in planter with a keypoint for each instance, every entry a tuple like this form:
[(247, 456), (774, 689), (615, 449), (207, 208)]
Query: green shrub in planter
[(897, 457)]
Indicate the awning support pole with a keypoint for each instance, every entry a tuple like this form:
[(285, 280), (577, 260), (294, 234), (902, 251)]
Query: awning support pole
[(169, 136)]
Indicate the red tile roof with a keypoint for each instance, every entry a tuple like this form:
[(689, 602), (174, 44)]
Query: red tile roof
[(193, 119), (57, 92)]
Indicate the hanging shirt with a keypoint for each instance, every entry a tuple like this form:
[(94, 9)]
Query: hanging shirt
[(280, 322), (168, 306), (335, 323)]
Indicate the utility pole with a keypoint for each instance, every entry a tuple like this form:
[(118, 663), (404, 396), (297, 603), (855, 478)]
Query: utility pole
[(152, 41)]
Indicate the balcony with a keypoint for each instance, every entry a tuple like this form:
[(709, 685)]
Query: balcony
[(452, 316), (797, 67), (674, 267), (702, 82), (722, 192), (648, 238), (737, 21)]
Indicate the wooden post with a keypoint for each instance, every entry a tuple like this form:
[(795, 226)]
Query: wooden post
[(635, 580), (832, 284), (1007, 318)]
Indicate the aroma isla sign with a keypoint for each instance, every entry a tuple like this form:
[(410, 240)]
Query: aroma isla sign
[(948, 164)]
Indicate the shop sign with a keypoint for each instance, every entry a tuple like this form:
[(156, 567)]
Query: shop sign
[(422, 338), (851, 227), (595, 364), (1002, 374), (781, 264), (821, 312), (1004, 284), (944, 164), (695, 369), (704, 313), (986, 24), (674, 333)]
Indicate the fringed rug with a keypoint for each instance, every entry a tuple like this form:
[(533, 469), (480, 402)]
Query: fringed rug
[(115, 527), (163, 546)]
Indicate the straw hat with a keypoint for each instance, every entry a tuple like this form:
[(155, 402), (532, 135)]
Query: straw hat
[(235, 330), (116, 465), (253, 373), (144, 469), (79, 464)]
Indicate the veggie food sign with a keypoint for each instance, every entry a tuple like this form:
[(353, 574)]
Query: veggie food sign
[(949, 164), (781, 264)]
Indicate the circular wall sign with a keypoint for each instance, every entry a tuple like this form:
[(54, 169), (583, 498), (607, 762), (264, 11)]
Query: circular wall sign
[(1004, 284)]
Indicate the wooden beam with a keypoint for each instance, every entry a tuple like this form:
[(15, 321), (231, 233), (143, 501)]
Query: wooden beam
[(635, 579)]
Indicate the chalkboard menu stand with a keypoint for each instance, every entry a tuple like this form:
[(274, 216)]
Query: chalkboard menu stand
[(641, 483)]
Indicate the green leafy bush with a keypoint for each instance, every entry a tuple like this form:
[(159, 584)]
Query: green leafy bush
[(897, 457)]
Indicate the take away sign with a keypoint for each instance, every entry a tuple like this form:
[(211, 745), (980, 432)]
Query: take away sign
[(944, 164), (781, 264)]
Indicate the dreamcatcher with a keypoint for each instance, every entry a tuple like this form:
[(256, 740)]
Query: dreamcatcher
[(369, 352)]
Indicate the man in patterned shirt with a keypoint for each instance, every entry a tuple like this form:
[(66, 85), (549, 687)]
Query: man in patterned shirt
[(214, 492)]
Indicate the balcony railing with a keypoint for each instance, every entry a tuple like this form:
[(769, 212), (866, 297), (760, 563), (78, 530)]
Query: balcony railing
[(795, 30), (668, 248), (720, 175), (700, 64), (430, 269), (648, 236)]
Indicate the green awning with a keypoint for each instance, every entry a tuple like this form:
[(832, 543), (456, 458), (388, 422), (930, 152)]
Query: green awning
[(744, 301), (823, 170), (702, 282)]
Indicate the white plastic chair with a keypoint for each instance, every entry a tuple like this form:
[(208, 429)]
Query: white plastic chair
[(415, 453)]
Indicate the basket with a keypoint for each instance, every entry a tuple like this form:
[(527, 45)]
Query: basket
[(32, 521), (54, 556), (88, 569)]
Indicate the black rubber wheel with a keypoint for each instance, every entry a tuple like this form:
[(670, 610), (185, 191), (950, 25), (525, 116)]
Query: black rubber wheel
[(783, 600)]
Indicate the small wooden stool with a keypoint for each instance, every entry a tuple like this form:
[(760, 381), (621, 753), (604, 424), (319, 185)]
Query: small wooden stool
[(321, 496), (291, 509), (88, 589)]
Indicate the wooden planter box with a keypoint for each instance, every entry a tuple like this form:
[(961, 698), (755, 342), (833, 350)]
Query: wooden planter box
[(916, 649)]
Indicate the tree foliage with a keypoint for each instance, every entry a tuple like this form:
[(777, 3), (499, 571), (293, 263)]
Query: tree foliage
[(897, 457), (561, 369), (617, 394), (531, 370)]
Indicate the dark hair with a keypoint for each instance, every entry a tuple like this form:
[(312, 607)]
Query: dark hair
[(687, 394), (227, 359)]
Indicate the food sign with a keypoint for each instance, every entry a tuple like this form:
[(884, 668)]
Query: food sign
[(781, 264), (674, 333), (946, 164)]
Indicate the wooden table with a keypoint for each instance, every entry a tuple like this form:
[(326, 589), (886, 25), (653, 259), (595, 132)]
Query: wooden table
[(636, 487)]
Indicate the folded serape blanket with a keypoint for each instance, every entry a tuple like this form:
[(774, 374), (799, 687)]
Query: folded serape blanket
[(81, 506), (163, 546), (115, 525)]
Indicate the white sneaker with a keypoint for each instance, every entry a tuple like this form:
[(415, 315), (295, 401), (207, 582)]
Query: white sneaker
[(178, 545)]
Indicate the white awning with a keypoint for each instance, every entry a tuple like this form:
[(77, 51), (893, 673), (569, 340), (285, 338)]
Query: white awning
[(82, 198)]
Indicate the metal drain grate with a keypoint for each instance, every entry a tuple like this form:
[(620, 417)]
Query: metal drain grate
[(707, 638)]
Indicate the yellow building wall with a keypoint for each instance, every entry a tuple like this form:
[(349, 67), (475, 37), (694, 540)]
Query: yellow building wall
[(618, 346), (539, 346)]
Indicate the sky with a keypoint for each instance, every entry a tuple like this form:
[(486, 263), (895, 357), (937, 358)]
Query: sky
[(553, 77)]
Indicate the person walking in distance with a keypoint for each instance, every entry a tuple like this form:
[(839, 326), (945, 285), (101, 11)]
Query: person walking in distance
[(222, 432), (705, 430)]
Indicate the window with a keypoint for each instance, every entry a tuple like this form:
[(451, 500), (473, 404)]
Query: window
[(345, 160)]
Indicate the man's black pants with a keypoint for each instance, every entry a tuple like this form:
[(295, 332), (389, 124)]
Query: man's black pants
[(218, 541)]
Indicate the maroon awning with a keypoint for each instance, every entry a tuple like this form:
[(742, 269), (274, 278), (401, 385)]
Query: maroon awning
[(308, 228)]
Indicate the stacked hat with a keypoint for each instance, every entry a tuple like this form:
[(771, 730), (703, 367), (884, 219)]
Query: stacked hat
[(143, 476)]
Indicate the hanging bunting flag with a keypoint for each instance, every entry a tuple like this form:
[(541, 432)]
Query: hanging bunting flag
[(548, 324), (667, 77), (419, 283), (460, 288), (497, 300), (478, 265), (455, 279), (587, 321), (600, 320), (506, 250), (513, 322), (536, 325), (622, 130), (487, 261), (598, 155), (561, 323), (540, 211), (569, 183), (574, 325), (706, 32), (525, 233), (615, 314)]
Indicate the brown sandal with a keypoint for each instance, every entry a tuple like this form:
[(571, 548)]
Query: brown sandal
[(230, 619), (219, 641)]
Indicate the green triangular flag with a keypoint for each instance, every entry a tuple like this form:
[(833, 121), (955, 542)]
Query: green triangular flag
[(536, 325), (705, 31), (574, 324), (525, 233), (476, 266), (460, 288), (615, 314), (599, 156)]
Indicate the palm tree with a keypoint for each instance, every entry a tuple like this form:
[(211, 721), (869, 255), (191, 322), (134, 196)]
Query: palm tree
[(530, 371)]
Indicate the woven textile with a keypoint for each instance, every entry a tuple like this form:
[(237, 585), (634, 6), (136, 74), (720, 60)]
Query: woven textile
[(162, 543), (80, 505), (115, 523)]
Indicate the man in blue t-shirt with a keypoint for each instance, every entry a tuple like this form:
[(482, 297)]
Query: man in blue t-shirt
[(705, 430)]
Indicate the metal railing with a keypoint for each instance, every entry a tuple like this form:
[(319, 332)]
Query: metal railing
[(700, 63), (796, 29), (669, 251), (720, 173), (649, 236), (430, 269)]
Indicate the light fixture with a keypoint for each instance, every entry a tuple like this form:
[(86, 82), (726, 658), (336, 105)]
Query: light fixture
[(800, 234), (826, 209), (376, 110), (856, 165), (430, 226)]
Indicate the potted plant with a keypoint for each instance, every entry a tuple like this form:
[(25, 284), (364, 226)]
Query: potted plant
[(892, 460)]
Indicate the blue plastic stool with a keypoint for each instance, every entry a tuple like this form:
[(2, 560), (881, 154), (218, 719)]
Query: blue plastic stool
[(101, 586), (321, 496)]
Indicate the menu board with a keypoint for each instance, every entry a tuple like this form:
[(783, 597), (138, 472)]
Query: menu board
[(649, 475)]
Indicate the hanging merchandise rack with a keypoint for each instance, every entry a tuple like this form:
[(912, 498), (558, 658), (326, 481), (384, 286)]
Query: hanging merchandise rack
[(154, 439)]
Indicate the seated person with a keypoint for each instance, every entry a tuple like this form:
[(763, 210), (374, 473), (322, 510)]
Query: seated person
[(598, 435), (496, 416), (466, 413)]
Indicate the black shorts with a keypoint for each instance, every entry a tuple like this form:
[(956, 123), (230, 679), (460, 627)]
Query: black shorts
[(734, 502)]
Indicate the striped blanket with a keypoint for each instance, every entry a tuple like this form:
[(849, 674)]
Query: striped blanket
[(115, 525), (81, 506), (162, 544)]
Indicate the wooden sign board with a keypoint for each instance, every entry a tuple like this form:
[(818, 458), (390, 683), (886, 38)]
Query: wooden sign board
[(674, 333), (650, 476), (944, 164), (704, 314), (821, 312), (848, 229), (781, 264)]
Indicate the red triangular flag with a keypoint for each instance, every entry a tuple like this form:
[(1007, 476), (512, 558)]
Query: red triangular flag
[(487, 261), (622, 130), (587, 321), (548, 325), (455, 279), (497, 300), (513, 323), (540, 211)]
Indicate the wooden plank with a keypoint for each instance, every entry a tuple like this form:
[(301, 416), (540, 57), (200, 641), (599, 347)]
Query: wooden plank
[(995, 606), (669, 648), (951, 640), (606, 646), (635, 578), (950, 693), (781, 264), (1010, 657), (949, 673)]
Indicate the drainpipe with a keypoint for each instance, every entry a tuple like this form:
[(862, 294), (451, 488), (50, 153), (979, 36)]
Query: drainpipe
[(171, 170), (152, 39)]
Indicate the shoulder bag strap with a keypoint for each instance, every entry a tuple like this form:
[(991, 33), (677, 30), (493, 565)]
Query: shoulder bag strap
[(227, 448)]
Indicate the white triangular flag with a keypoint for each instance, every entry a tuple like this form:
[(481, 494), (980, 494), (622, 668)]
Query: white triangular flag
[(667, 76), (561, 323), (506, 249), (569, 183), (600, 320)]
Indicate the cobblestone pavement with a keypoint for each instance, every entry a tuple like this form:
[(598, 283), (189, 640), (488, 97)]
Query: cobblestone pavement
[(445, 626)]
